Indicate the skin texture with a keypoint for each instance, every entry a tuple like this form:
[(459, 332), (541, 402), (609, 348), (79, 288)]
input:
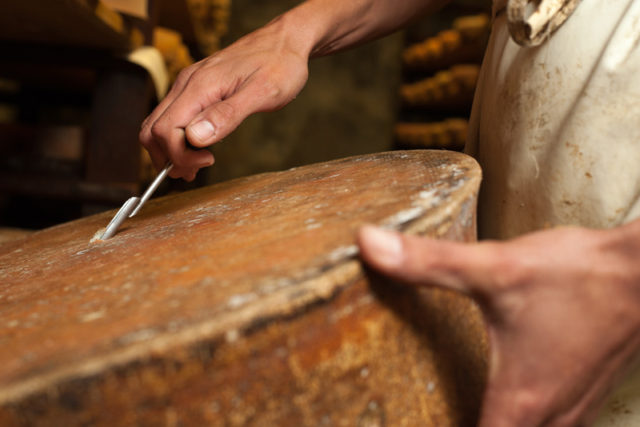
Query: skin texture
[(262, 71), (561, 306)]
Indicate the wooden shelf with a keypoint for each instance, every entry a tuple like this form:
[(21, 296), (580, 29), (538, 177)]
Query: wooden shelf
[(440, 69), (82, 23), (66, 59)]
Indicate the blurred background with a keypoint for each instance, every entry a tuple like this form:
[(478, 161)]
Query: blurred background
[(78, 77)]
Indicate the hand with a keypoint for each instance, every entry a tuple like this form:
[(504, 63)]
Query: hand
[(561, 308), (262, 71)]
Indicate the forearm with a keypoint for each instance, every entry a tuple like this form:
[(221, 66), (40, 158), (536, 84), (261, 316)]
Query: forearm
[(321, 27), (262, 71)]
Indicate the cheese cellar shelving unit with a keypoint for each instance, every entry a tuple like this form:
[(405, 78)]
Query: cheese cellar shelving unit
[(441, 62)]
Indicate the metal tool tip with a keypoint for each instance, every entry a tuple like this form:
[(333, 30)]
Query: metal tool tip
[(120, 216)]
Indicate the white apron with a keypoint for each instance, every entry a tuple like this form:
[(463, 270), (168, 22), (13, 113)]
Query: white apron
[(556, 129)]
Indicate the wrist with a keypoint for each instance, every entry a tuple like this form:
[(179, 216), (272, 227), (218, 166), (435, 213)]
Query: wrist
[(319, 27), (297, 30), (329, 26)]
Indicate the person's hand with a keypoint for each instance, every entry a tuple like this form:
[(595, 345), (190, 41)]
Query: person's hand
[(262, 71), (561, 307)]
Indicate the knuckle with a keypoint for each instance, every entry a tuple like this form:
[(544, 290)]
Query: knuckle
[(200, 73), (184, 75), (271, 90), (225, 111), (510, 272), (158, 130), (195, 76), (144, 136), (145, 123)]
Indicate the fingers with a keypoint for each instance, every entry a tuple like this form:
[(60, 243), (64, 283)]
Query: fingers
[(165, 140), (423, 261), (214, 96), (222, 117), (467, 268), (156, 151), (203, 119), (217, 121)]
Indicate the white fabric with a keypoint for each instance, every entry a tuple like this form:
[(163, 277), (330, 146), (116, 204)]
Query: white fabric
[(151, 59), (556, 129), (623, 407)]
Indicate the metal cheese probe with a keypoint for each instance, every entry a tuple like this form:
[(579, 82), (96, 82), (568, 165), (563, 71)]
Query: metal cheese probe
[(134, 204)]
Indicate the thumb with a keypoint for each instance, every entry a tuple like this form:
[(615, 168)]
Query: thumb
[(221, 118), (215, 122), (462, 267)]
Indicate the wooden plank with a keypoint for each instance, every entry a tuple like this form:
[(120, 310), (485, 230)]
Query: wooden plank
[(63, 22), (244, 303)]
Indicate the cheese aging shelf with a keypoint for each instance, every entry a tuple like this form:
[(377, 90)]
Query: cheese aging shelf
[(441, 62)]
